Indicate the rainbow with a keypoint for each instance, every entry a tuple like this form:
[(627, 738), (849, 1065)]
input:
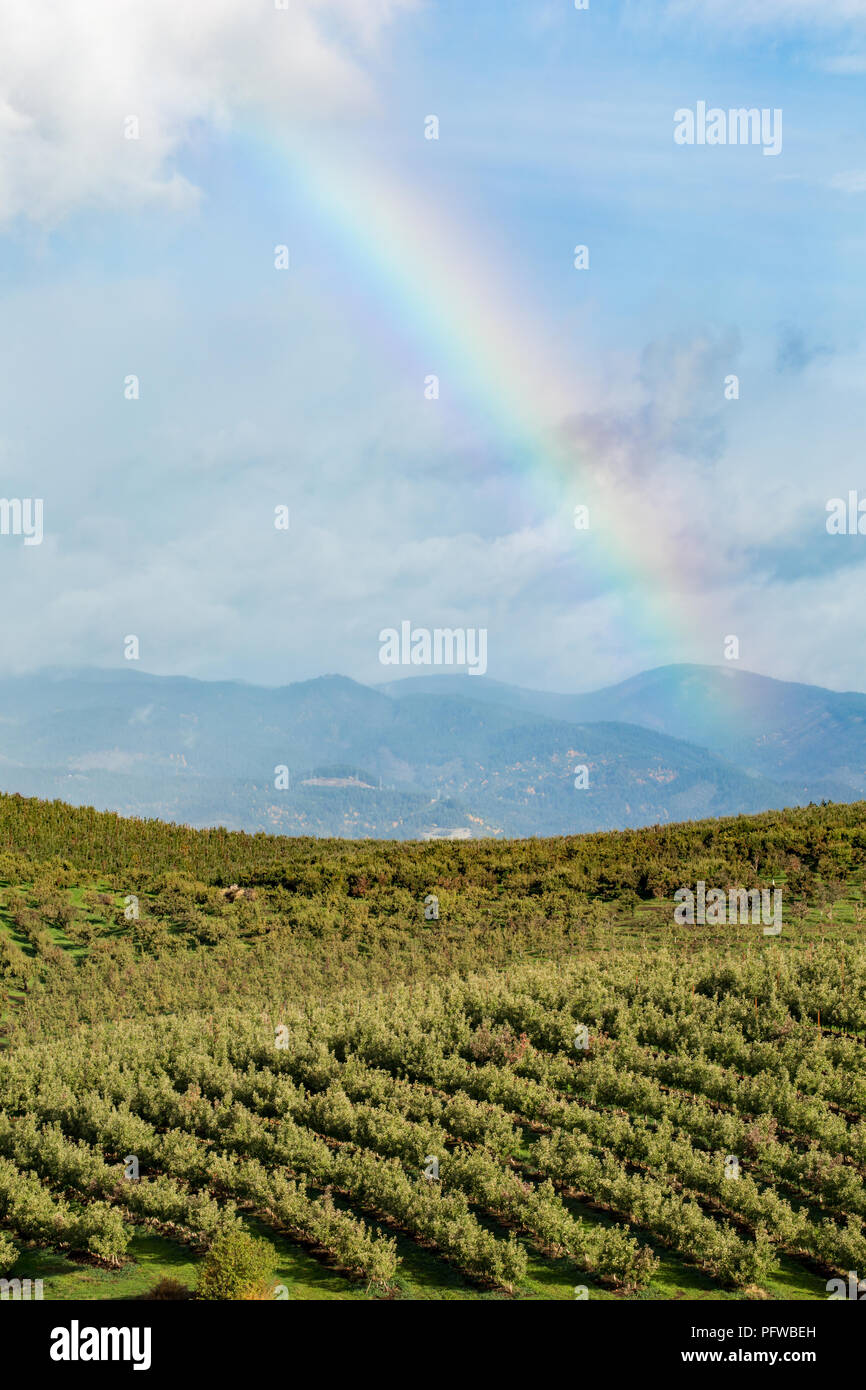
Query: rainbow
[(465, 311)]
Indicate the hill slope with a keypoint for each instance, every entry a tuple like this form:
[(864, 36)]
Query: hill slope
[(777, 729), (441, 751), (284, 1056)]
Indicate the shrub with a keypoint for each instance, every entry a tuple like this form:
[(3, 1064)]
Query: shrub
[(8, 1253), (235, 1267), (167, 1288), (101, 1230)]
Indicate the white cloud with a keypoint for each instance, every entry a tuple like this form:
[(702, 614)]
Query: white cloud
[(853, 181), (846, 65), (72, 71), (737, 13)]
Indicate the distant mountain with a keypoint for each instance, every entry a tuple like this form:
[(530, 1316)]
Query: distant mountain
[(771, 728), (396, 761)]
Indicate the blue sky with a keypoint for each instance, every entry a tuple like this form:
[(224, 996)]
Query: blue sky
[(259, 387)]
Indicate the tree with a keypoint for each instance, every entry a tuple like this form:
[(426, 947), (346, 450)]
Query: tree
[(236, 1266), (8, 1253)]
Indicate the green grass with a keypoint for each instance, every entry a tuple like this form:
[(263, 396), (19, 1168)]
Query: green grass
[(422, 1275), (151, 1258)]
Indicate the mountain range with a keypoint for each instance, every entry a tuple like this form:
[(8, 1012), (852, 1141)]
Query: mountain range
[(430, 753)]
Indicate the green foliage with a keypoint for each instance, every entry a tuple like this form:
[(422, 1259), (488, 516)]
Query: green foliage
[(404, 1037), (235, 1267), (8, 1253)]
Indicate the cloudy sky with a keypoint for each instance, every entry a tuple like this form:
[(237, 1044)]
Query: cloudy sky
[(154, 157)]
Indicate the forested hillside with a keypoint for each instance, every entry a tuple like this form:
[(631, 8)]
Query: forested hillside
[(442, 752), (451, 1070)]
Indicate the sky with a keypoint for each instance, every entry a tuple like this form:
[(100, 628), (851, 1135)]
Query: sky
[(154, 158)]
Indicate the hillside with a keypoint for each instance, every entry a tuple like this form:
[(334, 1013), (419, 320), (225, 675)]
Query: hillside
[(772, 728), (540, 1085), (443, 751)]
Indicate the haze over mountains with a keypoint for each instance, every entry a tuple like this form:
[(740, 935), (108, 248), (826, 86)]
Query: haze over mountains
[(675, 743)]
